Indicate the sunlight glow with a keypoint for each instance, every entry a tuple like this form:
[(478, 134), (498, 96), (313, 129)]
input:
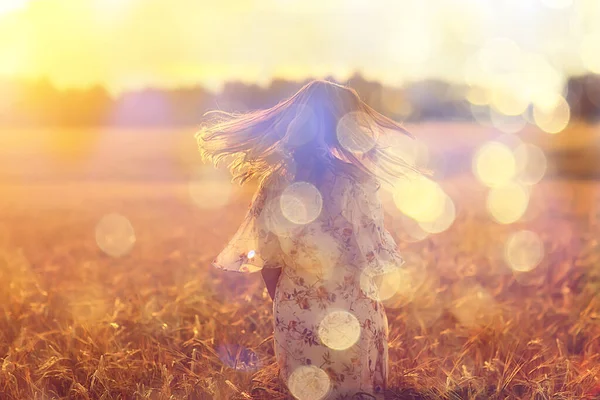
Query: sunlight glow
[(8, 6), (558, 3), (112, 8), (416, 42)]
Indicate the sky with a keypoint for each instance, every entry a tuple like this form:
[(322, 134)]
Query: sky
[(125, 44)]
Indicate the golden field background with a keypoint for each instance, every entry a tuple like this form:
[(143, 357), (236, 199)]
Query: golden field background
[(161, 323)]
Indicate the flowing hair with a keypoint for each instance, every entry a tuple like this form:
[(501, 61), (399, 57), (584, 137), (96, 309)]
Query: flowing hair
[(325, 122)]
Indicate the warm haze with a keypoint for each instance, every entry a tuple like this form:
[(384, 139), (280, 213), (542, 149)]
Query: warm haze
[(109, 218), (132, 43)]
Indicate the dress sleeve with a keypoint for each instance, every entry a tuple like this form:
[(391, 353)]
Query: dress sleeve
[(376, 247), (253, 247)]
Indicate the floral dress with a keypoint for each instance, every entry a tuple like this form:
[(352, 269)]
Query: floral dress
[(331, 330)]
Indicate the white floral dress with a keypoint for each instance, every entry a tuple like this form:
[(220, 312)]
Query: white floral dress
[(331, 330)]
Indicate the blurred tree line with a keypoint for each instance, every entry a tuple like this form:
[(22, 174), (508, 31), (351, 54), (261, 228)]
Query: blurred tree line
[(39, 103)]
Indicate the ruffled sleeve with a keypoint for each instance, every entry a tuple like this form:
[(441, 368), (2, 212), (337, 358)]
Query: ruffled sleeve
[(362, 207), (253, 247)]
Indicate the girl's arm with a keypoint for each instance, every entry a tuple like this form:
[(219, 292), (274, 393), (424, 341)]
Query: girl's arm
[(271, 276)]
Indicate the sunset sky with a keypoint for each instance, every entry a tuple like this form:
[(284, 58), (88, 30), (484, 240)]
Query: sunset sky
[(130, 43)]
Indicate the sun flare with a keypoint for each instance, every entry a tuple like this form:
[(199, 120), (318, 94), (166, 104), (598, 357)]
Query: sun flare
[(8, 6)]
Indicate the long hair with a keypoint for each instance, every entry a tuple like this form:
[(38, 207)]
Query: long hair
[(323, 122)]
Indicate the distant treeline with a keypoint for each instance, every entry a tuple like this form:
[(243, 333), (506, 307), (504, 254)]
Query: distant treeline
[(39, 103)]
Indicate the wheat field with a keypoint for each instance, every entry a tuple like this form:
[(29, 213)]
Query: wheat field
[(160, 323)]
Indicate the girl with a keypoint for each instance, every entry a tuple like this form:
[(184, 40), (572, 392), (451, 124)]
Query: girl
[(315, 231)]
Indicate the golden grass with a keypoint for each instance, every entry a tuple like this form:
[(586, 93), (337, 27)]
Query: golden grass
[(161, 323)]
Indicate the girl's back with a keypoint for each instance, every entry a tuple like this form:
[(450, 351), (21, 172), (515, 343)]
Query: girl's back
[(331, 224), (315, 231), (326, 307)]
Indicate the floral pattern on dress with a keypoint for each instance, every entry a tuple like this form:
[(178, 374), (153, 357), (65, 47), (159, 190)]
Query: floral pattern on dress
[(328, 265)]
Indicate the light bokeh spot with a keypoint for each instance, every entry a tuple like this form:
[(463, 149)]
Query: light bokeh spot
[(507, 100), (552, 115), (115, 235), (494, 164), (309, 382), (276, 222), (523, 251), (383, 286), (87, 303), (531, 163), (412, 279), (420, 198), (301, 203), (210, 188), (508, 203), (413, 229), (507, 123), (478, 96), (353, 134), (474, 306), (444, 220), (339, 330)]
